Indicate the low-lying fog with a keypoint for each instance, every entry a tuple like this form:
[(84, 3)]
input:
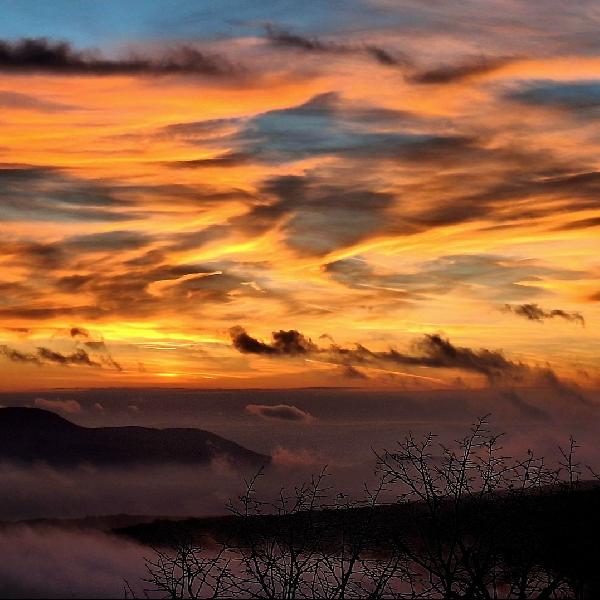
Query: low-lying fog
[(302, 429)]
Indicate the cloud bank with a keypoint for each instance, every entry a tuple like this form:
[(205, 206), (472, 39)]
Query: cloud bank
[(60, 58), (432, 351)]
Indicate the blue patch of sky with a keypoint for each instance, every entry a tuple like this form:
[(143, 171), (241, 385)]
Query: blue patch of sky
[(99, 23)]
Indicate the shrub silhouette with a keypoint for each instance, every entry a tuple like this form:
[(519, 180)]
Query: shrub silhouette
[(461, 521)]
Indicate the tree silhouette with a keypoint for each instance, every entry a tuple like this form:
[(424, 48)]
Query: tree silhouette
[(444, 521)]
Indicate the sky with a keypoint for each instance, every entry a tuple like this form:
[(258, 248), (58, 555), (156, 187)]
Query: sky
[(369, 193)]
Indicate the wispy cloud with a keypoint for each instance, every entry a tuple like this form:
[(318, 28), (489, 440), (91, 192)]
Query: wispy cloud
[(59, 57), (284, 38), (533, 312)]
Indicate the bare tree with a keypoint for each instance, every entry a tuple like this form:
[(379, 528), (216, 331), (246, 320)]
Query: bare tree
[(466, 521), (469, 506), (187, 570)]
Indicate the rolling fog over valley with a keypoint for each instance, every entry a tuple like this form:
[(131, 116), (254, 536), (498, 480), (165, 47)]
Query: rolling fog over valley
[(301, 430)]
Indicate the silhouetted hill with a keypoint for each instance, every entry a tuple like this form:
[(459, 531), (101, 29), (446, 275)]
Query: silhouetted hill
[(557, 529), (31, 435)]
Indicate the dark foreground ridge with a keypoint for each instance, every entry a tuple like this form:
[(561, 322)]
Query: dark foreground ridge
[(30, 435), (555, 532)]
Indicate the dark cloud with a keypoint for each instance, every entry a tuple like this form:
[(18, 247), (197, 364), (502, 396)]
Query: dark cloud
[(284, 38), (247, 344), (17, 100), (576, 96), (438, 351), (60, 58), (327, 125), (144, 288), (47, 257), (513, 183), (533, 312), (356, 273), (383, 57), (460, 72), (291, 342), (47, 356), (443, 150), (79, 332), (212, 286), (186, 240), (34, 254), (177, 286), (351, 372), (284, 343), (79, 357), (280, 412), (47, 194), (152, 258), (24, 331), (317, 216), (106, 241), (579, 224), (229, 159), (198, 196), (281, 37), (96, 345), (17, 356), (485, 275), (41, 313), (512, 186), (110, 362), (198, 131), (435, 351), (93, 262), (529, 193), (510, 177), (432, 351)]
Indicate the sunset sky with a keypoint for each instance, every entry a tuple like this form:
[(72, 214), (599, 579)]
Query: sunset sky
[(365, 193)]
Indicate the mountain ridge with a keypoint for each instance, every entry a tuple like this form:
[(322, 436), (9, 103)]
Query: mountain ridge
[(30, 435)]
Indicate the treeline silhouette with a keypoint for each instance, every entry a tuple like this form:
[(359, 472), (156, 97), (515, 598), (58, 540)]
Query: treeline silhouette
[(459, 521)]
